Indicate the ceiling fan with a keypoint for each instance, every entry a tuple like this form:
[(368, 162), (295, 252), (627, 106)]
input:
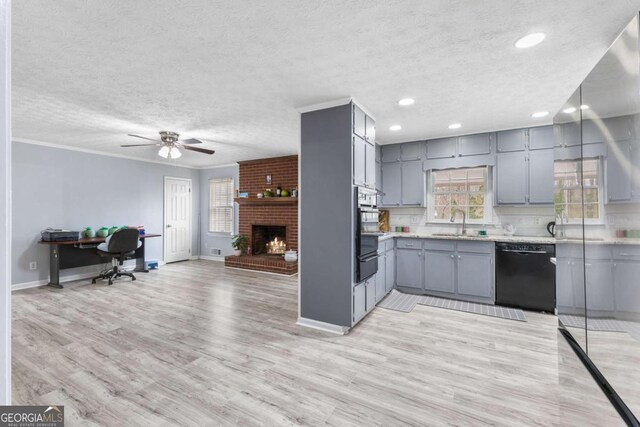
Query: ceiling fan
[(170, 146)]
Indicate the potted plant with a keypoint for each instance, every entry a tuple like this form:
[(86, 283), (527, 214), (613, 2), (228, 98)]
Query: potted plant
[(240, 242)]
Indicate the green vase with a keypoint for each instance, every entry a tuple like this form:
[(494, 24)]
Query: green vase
[(113, 230), (103, 232), (89, 233)]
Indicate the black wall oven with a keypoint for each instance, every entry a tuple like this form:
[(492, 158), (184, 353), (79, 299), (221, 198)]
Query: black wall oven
[(366, 238)]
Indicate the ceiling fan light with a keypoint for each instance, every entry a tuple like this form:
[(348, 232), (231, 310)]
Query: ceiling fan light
[(164, 152), (174, 153)]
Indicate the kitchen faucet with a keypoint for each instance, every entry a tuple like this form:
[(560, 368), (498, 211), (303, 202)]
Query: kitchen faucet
[(464, 219)]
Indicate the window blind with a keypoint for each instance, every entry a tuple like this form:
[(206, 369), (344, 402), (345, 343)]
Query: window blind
[(221, 205)]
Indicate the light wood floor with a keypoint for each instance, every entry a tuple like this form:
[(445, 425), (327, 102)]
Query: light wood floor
[(195, 344)]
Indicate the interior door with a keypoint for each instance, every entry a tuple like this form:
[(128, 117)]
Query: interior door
[(177, 219)]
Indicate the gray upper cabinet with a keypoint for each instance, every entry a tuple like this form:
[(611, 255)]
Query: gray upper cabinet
[(443, 148), (619, 175), (541, 176), (511, 178), (378, 176), (439, 271), (391, 183), (412, 187), (370, 165), (409, 268), (359, 161), (474, 145), (541, 138), (570, 134), (511, 140), (475, 275), (413, 150), (606, 130), (370, 129), (359, 122), (391, 153)]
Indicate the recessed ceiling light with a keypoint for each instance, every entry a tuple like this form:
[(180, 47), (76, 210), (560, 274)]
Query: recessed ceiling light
[(455, 126), (584, 107), (539, 114), (406, 101), (395, 127), (569, 110), (530, 40)]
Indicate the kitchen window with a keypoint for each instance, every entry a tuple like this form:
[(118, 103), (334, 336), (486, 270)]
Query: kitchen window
[(221, 205), (569, 194), (462, 189)]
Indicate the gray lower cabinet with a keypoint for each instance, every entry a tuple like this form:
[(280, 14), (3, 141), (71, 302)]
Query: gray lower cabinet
[(599, 274), (626, 285), (541, 176), (511, 178), (409, 268), (564, 284), (391, 183), (475, 275), (359, 301), (439, 271), (381, 277), (412, 185), (370, 286), (390, 270)]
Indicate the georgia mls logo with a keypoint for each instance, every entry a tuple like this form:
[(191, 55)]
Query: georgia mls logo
[(32, 416)]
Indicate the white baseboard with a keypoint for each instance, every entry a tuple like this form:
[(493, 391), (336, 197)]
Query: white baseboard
[(43, 282), (322, 326), (212, 258)]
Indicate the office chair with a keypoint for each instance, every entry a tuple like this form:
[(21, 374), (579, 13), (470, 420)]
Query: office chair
[(123, 243)]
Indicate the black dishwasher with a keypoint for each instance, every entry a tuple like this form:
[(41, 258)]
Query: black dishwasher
[(525, 276)]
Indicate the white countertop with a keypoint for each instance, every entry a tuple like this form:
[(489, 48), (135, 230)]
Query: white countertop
[(511, 239)]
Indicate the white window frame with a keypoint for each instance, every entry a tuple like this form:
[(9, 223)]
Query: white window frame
[(600, 188), (488, 197), (230, 205)]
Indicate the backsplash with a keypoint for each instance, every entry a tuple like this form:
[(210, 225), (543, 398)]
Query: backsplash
[(528, 221)]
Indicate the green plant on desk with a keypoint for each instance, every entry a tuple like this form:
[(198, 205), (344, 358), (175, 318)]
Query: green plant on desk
[(240, 243)]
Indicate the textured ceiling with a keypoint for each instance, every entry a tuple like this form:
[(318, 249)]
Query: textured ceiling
[(86, 73)]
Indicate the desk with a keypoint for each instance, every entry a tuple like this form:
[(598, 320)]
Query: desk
[(78, 253)]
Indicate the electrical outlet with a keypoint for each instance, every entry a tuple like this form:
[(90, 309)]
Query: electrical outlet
[(215, 251), (33, 265), (538, 220)]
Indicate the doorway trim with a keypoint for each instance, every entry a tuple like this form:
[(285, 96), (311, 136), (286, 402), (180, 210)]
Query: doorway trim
[(164, 214)]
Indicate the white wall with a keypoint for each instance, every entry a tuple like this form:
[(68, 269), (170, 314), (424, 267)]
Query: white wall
[(216, 240), (5, 202), (55, 187)]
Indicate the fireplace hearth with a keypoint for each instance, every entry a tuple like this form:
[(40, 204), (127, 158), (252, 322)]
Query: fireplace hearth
[(268, 239)]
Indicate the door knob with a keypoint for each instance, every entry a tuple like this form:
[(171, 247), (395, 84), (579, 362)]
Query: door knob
[(168, 225)]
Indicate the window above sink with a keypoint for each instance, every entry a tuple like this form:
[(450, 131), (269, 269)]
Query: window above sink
[(464, 189)]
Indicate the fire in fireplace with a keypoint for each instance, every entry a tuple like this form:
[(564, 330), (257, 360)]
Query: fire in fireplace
[(268, 239)]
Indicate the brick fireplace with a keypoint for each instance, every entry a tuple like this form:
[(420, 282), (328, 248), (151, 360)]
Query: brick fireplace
[(264, 219)]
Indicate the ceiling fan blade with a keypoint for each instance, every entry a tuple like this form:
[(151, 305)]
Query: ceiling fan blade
[(138, 145), (199, 150), (144, 137), (190, 141)]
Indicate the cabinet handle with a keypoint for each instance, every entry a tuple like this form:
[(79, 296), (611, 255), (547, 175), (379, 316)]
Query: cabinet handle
[(459, 257), (625, 254), (499, 200), (452, 256), (408, 244)]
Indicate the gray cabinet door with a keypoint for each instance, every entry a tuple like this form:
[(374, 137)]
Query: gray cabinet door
[(359, 301), (379, 176), (571, 134), (474, 145), (439, 271), (409, 268), (511, 140), (359, 122), (370, 286), (619, 171), (390, 153), (391, 183), (444, 148), (564, 283), (599, 278), (359, 161), (390, 270), (370, 165), (475, 275), (541, 176), (541, 138), (413, 150), (511, 178), (381, 277), (370, 130), (626, 285), (412, 183)]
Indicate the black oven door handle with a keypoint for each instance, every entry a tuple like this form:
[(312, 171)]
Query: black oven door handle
[(368, 258), (522, 252)]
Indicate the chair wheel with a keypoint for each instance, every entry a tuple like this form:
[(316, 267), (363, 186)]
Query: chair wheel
[(93, 281), (133, 279)]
